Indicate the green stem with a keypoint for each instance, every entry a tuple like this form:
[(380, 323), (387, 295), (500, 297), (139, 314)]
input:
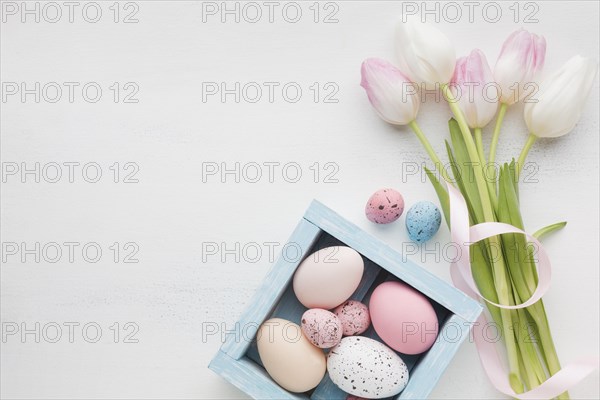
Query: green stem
[(479, 144), (538, 314), (496, 135), (491, 183), (547, 344), (530, 141), (526, 332), (530, 363), (498, 267), (528, 376), (432, 154)]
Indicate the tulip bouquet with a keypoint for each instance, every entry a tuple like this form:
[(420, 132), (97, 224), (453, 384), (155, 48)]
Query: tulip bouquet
[(503, 266)]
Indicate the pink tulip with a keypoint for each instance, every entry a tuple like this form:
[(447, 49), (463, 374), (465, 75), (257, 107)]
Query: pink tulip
[(390, 92), (474, 88), (521, 58)]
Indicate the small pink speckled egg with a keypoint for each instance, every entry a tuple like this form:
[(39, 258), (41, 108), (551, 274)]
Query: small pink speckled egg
[(384, 206), (322, 328), (354, 316)]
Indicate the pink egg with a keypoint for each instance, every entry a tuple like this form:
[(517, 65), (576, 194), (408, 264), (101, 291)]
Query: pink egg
[(384, 206), (403, 318), (354, 316), (322, 328)]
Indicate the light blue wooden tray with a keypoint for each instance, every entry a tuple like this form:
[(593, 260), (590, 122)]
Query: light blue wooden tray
[(238, 361)]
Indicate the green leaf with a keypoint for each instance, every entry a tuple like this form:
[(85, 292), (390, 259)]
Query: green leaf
[(527, 339), (549, 229), (515, 246), (442, 195), (526, 251), (482, 273), (462, 168), (512, 168), (459, 183), (454, 167), (511, 197)]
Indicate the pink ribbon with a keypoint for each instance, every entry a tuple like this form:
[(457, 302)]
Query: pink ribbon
[(460, 270)]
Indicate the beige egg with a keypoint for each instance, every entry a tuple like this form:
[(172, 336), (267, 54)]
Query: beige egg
[(289, 358), (328, 277)]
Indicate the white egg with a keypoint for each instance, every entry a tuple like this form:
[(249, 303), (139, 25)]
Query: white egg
[(367, 368), (328, 277)]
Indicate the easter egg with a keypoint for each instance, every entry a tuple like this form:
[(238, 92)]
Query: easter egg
[(423, 221), (321, 327), (289, 358), (354, 317), (403, 318), (367, 368), (328, 277), (384, 206)]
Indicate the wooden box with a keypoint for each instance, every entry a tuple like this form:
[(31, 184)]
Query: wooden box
[(238, 361)]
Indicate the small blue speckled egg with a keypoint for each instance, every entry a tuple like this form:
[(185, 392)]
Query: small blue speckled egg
[(423, 221)]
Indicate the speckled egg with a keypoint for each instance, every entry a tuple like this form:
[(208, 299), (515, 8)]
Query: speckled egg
[(384, 206), (423, 221), (322, 328), (354, 316), (367, 368)]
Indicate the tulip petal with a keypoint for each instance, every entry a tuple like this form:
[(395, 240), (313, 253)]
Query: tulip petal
[(471, 83), (521, 58), (557, 106), (390, 92), (424, 53)]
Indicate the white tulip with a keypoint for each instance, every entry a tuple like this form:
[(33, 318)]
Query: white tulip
[(425, 54), (556, 107)]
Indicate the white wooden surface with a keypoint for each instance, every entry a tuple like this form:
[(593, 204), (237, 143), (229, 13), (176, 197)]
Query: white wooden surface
[(171, 294)]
